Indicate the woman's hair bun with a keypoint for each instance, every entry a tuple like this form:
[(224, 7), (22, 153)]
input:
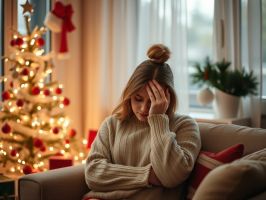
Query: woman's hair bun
[(158, 53)]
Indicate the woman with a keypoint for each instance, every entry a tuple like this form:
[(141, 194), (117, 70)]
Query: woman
[(144, 150)]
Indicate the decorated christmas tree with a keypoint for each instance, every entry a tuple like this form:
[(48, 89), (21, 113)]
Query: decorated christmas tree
[(33, 123)]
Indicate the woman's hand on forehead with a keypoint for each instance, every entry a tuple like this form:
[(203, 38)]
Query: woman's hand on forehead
[(159, 96)]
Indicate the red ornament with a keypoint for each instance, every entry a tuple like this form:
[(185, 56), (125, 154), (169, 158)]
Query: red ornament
[(20, 102), (72, 133), (19, 41), (58, 90), (13, 152), (11, 84), (25, 72), (66, 101), (35, 90), (38, 143), (27, 169), (43, 148), (46, 92), (6, 128), (56, 130), (13, 42), (5, 95), (40, 42), (67, 141)]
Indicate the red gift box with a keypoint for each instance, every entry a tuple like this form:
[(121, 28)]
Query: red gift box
[(59, 162), (91, 136)]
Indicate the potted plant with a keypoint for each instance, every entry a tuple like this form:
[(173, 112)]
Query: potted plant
[(229, 85)]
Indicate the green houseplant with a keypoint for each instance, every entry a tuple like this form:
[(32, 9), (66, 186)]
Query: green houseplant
[(217, 75), (227, 86)]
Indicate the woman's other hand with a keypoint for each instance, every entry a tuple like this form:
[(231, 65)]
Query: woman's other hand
[(153, 180)]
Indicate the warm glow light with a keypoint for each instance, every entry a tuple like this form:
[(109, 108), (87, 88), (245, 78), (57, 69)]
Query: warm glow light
[(67, 145), (51, 148), (39, 108), (32, 42), (27, 62), (41, 85), (84, 141), (31, 73)]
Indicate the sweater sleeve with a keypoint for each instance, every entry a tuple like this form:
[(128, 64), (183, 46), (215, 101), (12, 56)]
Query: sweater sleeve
[(173, 154), (102, 175)]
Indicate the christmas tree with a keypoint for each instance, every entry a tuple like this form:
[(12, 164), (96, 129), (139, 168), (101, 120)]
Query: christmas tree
[(33, 123)]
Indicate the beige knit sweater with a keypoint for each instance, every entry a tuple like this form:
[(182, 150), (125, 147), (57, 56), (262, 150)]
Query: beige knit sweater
[(122, 154)]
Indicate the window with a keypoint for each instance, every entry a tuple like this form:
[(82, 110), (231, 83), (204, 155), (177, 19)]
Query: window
[(200, 37)]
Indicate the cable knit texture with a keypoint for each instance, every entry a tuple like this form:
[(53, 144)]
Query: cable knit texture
[(122, 155)]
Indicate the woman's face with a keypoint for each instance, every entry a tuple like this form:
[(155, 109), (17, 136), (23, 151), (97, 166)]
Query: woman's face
[(140, 104)]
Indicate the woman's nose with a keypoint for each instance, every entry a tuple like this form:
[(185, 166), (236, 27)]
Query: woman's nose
[(145, 107)]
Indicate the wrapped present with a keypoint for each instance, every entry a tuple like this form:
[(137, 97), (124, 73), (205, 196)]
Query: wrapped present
[(91, 136), (7, 188), (60, 161)]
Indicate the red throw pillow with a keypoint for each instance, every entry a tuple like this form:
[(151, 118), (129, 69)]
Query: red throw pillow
[(207, 161)]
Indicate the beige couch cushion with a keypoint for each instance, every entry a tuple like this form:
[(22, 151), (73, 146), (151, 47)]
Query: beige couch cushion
[(240, 179)]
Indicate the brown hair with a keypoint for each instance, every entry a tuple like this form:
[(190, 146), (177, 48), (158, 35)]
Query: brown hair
[(154, 68)]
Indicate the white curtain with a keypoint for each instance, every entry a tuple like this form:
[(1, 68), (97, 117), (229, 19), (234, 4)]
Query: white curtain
[(252, 55), (115, 37), (239, 41)]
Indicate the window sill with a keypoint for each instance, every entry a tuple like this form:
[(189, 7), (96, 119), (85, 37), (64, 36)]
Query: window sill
[(210, 118)]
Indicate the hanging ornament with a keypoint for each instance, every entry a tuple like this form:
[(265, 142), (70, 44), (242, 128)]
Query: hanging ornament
[(72, 133), (13, 152), (205, 96), (5, 95), (27, 169), (20, 103), (66, 101), (6, 128), (35, 90), (40, 42), (59, 20)]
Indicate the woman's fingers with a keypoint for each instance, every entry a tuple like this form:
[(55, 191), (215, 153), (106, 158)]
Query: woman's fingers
[(157, 90), (159, 97)]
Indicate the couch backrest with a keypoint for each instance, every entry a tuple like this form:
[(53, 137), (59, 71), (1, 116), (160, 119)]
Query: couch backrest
[(216, 137)]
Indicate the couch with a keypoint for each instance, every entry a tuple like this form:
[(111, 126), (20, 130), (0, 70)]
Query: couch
[(68, 183)]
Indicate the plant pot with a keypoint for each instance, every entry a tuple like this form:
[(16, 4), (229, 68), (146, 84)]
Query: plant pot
[(226, 105)]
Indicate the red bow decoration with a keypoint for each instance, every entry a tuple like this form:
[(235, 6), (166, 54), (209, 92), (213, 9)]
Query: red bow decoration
[(64, 13)]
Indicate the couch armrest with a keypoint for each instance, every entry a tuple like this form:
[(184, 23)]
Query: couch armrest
[(65, 183)]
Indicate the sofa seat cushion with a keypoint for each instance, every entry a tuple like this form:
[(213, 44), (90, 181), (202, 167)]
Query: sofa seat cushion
[(207, 161)]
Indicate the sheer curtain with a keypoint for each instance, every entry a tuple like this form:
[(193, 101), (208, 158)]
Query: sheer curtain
[(116, 35), (252, 55), (239, 41)]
